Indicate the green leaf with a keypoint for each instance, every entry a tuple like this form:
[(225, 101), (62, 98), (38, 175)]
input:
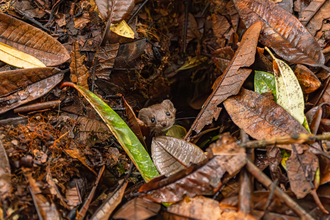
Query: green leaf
[(264, 82), (122, 132), (289, 94)]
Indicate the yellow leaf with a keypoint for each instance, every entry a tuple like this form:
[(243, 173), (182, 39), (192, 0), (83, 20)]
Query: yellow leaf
[(122, 29), (17, 58), (288, 90)]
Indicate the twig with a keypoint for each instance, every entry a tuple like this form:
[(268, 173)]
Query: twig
[(264, 180), (293, 139), (137, 11), (51, 16), (34, 21)]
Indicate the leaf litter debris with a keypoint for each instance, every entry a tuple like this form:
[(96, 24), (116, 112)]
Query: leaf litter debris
[(254, 148)]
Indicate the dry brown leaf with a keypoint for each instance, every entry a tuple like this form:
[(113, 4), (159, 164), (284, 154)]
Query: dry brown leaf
[(115, 10), (171, 154), (79, 73), (16, 79), (281, 31), (30, 93), (31, 40), (137, 208), (5, 174), (262, 118), (298, 175), (231, 81), (306, 15), (321, 14), (307, 79), (198, 207)]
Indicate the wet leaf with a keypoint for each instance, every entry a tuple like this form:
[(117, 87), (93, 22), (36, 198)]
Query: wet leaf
[(231, 81), (307, 79), (5, 174), (79, 72), (203, 179), (122, 132), (106, 59), (171, 154), (288, 91), (262, 118), (115, 10), (198, 207), (222, 57), (264, 82), (32, 92), (122, 29), (31, 40), (109, 205), (17, 58), (137, 208), (18, 79), (281, 31)]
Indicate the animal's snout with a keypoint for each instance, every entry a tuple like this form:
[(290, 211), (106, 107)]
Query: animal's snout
[(163, 123)]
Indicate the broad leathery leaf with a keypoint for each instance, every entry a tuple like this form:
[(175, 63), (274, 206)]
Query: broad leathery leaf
[(231, 81), (107, 207), (262, 118), (122, 29), (281, 31), (17, 79), (289, 94), (17, 58), (122, 132), (115, 10), (171, 154), (264, 82), (30, 93), (193, 62), (31, 40), (176, 131)]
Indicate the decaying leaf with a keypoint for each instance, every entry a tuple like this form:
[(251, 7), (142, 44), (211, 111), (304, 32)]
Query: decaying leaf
[(222, 57), (79, 73), (115, 10), (198, 207), (321, 14), (77, 154), (171, 154), (122, 29), (5, 174), (306, 15), (204, 179), (288, 91), (106, 209), (45, 209), (301, 172), (307, 79), (31, 40), (137, 208), (281, 31), (262, 118), (18, 79), (231, 81), (17, 58), (30, 93)]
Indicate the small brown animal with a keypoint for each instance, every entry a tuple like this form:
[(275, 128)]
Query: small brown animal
[(159, 117)]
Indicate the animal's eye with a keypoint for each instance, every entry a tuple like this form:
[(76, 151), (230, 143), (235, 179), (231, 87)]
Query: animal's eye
[(152, 120), (168, 114)]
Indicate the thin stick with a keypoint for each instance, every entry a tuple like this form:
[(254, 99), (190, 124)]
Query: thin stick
[(264, 180)]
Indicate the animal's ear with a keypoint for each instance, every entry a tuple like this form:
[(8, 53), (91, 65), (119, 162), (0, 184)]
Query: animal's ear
[(168, 103), (143, 114)]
